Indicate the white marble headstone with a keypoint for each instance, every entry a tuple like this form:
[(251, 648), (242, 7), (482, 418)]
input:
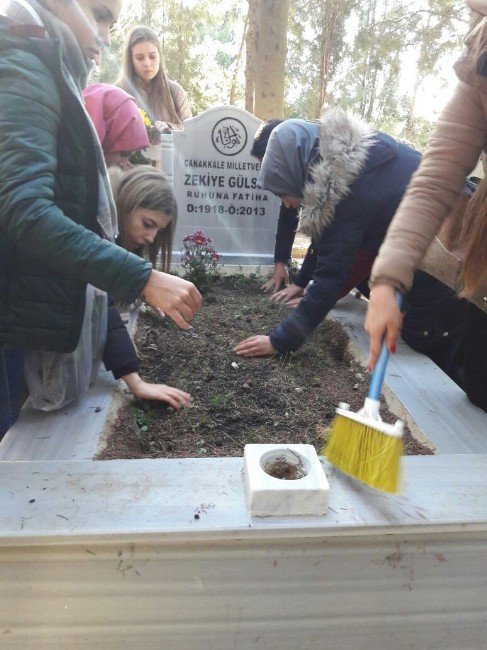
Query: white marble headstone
[(215, 182)]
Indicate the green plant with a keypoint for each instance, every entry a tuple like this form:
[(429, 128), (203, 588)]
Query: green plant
[(221, 399), (143, 418), (250, 437), (239, 279), (199, 260)]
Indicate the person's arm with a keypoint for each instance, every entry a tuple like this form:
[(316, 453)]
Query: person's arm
[(119, 354), (286, 230), (120, 357), (452, 152), (296, 289), (335, 258), (29, 218), (32, 223), (181, 105), (336, 255), (307, 268)]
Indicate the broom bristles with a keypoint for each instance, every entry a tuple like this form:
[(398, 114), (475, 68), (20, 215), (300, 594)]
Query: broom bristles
[(365, 453)]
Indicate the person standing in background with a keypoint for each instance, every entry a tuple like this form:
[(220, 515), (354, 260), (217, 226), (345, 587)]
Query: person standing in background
[(143, 76)]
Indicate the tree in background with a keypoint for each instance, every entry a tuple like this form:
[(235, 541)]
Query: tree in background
[(270, 58), (373, 44), (316, 46), (351, 53)]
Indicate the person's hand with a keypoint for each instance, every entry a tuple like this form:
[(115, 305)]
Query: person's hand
[(278, 279), (292, 304), (287, 294), (160, 392), (162, 127), (175, 297), (255, 346), (383, 318)]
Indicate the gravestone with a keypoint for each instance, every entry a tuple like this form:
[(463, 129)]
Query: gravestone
[(215, 182)]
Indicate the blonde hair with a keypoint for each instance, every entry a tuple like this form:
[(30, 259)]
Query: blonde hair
[(159, 96), (474, 242), (143, 186)]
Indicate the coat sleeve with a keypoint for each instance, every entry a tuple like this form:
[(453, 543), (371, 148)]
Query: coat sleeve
[(452, 152), (306, 271), (286, 230), (181, 104), (30, 107), (335, 256), (119, 355)]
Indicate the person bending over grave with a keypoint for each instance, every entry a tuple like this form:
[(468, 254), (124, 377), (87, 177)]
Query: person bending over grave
[(288, 218), (147, 214), (144, 77), (118, 123), (57, 221), (146, 211), (348, 180)]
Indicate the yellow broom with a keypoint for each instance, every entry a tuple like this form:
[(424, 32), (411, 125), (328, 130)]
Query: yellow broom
[(363, 446)]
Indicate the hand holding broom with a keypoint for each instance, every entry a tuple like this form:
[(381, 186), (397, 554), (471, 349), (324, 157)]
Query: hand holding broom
[(363, 446)]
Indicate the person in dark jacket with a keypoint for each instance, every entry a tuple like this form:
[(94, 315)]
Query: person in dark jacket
[(348, 180), (57, 219)]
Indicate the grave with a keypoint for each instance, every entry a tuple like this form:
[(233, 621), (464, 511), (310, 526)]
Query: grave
[(215, 183), (138, 553), (163, 553)]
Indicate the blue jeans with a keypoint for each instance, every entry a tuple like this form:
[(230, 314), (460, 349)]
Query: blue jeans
[(11, 377)]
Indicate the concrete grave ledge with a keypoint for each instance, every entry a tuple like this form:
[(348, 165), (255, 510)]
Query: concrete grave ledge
[(109, 555), (56, 503)]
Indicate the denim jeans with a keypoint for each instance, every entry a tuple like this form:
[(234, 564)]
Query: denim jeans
[(11, 378)]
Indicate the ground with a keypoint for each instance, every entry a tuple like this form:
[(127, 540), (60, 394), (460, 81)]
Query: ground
[(235, 400)]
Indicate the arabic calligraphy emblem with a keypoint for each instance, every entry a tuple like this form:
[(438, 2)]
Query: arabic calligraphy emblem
[(229, 136)]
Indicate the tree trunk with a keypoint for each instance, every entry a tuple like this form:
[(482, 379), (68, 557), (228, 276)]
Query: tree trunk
[(326, 46), (233, 87), (270, 61), (250, 45)]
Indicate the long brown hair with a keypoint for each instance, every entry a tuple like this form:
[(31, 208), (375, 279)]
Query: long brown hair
[(474, 242), (158, 94), (143, 186)]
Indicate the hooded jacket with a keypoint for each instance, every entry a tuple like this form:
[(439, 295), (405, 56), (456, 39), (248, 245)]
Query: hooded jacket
[(351, 180), (49, 236), (118, 121)]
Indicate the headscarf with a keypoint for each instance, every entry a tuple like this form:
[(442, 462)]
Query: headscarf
[(292, 148), (117, 119)]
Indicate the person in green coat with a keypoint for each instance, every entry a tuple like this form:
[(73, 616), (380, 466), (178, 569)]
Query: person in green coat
[(57, 217)]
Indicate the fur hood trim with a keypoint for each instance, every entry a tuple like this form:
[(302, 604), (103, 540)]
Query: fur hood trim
[(344, 144)]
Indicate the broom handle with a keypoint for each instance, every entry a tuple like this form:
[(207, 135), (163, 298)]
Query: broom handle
[(380, 368)]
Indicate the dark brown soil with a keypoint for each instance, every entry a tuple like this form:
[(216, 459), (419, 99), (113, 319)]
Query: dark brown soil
[(271, 400)]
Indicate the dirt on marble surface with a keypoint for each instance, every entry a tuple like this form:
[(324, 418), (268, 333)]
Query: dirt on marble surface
[(237, 401)]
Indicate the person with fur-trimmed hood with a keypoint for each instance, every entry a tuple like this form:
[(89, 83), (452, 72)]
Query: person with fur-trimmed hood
[(348, 180)]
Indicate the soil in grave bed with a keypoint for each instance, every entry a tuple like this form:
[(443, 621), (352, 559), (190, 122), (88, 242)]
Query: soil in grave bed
[(271, 400)]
